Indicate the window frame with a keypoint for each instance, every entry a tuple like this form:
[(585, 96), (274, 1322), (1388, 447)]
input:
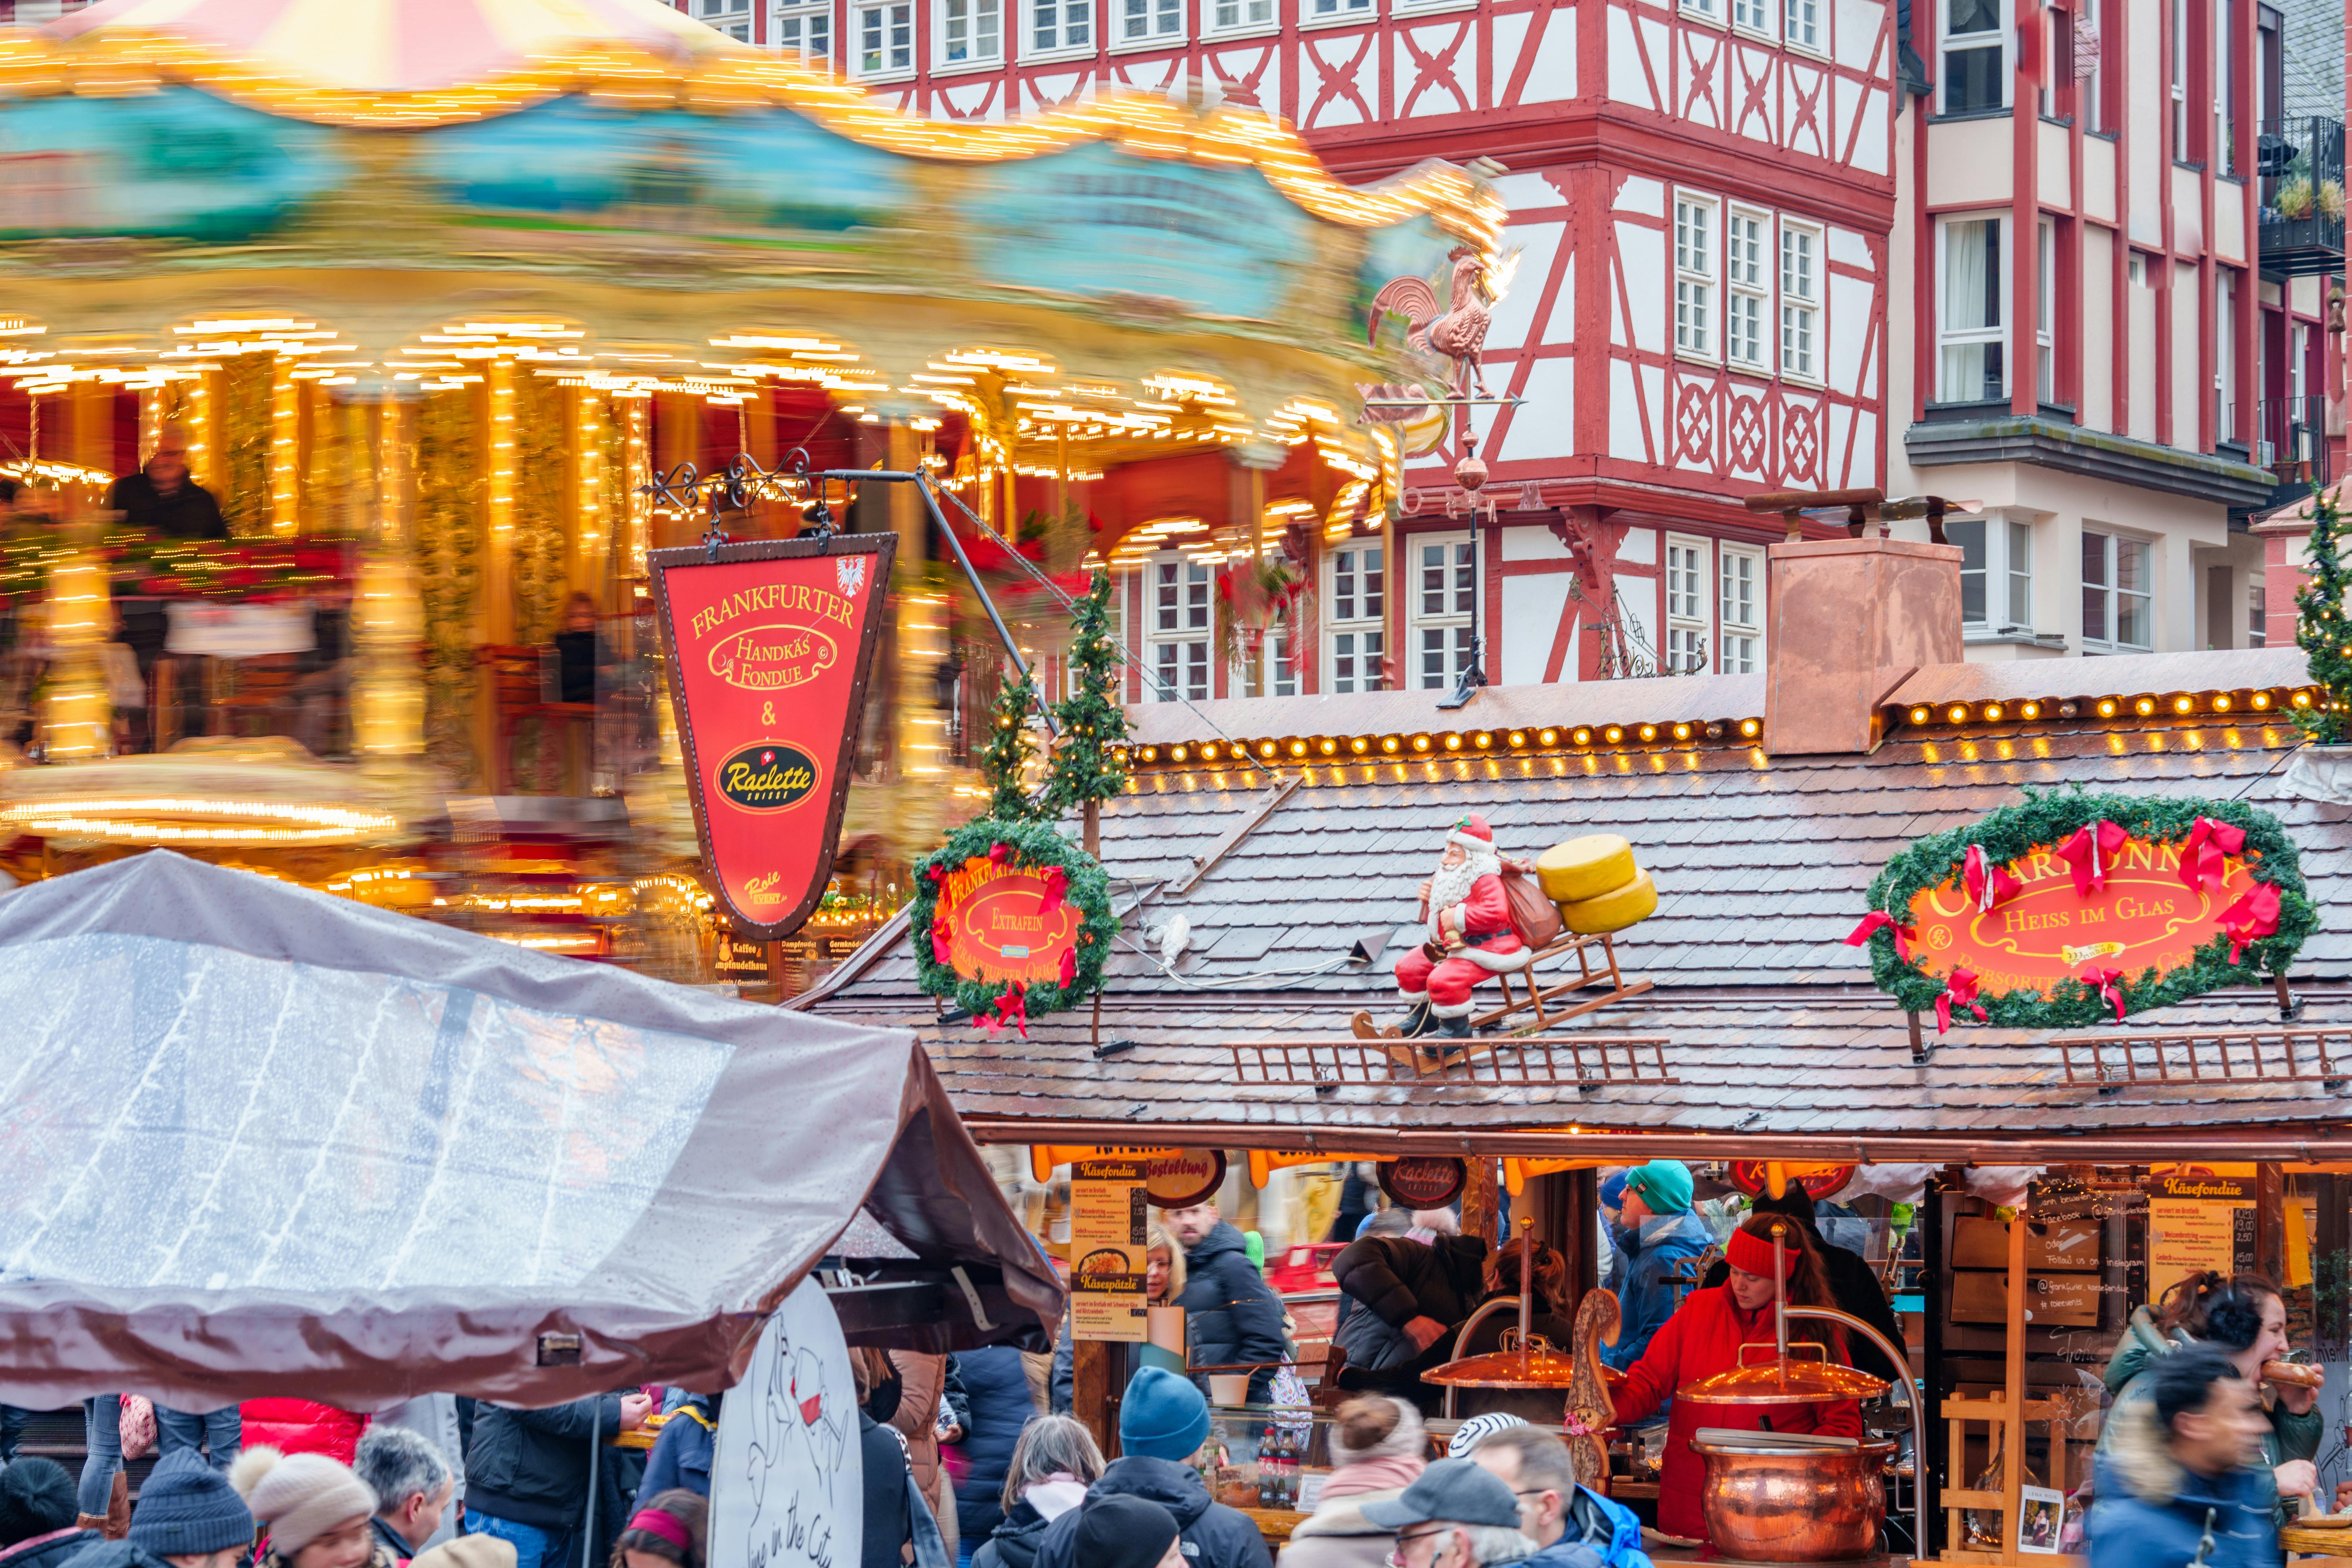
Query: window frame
[(1747, 630), (1811, 303), (2045, 308), (1695, 283), (1061, 49), (2112, 543), (858, 14), (1747, 286), (1948, 337), (782, 11), (1948, 43), (1452, 620), (2007, 568), (1816, 43), (1150, 40), (1184, 635), (1767, 29), (726, 16), (1709, 12), (943, 22), (1343, 12), (1243, 25), (1368, 621), (1689, 615)]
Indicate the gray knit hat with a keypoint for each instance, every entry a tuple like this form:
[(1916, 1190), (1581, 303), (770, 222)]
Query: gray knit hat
[(299, 1497), (187, 1509)]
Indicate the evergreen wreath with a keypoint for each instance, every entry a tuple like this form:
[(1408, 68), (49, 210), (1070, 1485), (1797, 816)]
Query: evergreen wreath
[(1023, 846), (2321, 629), (2046, 818)]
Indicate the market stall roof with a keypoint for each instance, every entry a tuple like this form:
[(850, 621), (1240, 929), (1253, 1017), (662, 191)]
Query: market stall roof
[(264, 1141), (1773, 1027)]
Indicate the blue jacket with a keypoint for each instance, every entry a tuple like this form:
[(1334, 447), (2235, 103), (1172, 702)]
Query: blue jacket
[(1231, 1316), (682, 1456), (1644, 1295), (2152, 1512), (1598, 1530), (998, 1387), (1212, 1535)]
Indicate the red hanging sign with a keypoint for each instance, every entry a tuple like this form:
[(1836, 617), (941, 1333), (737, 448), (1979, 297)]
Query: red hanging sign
[(1004, 923), (770, 643), (2069, 921)]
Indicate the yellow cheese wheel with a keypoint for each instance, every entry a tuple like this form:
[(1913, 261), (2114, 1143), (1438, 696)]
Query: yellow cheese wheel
[(1636, 901), (1585, 868)]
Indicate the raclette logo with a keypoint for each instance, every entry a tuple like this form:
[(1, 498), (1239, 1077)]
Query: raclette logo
[(767, 775)]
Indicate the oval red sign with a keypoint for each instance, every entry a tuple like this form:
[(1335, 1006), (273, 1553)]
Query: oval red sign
[(1423, 1181), (2142, 919), (1179, 1178), (999, 928)]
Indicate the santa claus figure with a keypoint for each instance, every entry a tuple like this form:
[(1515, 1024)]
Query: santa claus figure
[(1470, 933)]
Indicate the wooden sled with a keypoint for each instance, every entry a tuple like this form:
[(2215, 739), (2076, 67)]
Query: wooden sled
[(1430, 1054)]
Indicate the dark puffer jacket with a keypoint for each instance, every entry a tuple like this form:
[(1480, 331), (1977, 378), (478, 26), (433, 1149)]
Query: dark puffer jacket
[(1214, 1535), (530, 1466), (997, 1386), (1015, 1542), (2148, 1511), (1390, 1280), (51, 1552), (1231, 1316)]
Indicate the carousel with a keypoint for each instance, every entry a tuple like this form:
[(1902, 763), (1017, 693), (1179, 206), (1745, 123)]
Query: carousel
[(344, 341)]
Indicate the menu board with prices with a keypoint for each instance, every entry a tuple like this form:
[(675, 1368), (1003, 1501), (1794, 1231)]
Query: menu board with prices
[(2196, 1223), (1110, 1216)]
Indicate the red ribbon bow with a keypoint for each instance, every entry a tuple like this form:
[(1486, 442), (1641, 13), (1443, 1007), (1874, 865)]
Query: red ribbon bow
[(2252, 916), (998, 853), (1011, 1008), (1057, 882), (936, 873), (2201, 859), (1987, 883), (2089, 852), (1070, 967), (1959, 991), (1877, 920), (2110, 985), (938, 943)]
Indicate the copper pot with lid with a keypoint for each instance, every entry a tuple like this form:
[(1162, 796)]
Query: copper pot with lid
[(1529, 1376)]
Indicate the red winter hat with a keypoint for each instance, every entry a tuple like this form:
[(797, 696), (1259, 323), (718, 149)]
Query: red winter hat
[(1752, 1254), (1473, 833)]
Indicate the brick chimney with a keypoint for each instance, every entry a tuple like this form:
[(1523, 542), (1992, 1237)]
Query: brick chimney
[(1851, 619)]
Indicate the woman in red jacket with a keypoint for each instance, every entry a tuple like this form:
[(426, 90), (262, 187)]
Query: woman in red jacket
[(302, 1427), (1704, 1337)]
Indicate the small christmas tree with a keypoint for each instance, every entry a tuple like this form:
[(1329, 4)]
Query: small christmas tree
[(1005, 758), (2321, 629), (1086, 770)]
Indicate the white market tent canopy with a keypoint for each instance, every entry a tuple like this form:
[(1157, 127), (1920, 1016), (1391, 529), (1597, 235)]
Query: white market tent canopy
[(259, 1140)]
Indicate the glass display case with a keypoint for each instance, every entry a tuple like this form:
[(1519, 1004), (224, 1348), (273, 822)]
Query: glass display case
[(1262, 1458)]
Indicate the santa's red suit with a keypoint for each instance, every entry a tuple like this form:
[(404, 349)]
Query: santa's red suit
[(1469, 921)]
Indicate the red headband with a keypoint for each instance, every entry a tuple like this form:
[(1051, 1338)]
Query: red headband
[(668, 1526), (1752, 1254)]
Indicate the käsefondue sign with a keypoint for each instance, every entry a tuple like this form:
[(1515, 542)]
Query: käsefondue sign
[(1002, 925), (2142, 918), (769, 646)]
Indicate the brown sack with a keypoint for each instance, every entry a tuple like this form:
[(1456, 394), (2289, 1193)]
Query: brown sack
[(1533, 916)]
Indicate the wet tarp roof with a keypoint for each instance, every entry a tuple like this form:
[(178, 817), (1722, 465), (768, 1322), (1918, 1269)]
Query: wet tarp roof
[(258, 1139)]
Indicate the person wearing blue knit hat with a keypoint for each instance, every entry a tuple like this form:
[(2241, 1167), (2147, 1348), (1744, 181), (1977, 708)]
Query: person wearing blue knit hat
[(188, 1516), (1660, 1232), (1163, 1421)]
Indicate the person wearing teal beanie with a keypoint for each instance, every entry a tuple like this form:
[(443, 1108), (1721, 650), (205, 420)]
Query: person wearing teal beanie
[(1163, 1421), (1660, 1231), (1162, 1417)]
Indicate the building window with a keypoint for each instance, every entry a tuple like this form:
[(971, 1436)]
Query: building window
[(1444, 587), (2225, 92), (1754, 15), (2116, 594), (1800, 301), (2090, 49), (1061, 25), (1356, 620), (1235, 15), (970, 30), (885, 38), (1281, 670), (2045, 301), (2178, 87), (1969, 329), (1749, 280), (2225, 353), (1695, 276), (733, 17), (1975, 48), (805, 31), (2258, 612), (1996, 571), (1141, 21), (1742, 610), (1686, 605), (1180, 629), (1707, 8), (1802, 23), (1323, 8)]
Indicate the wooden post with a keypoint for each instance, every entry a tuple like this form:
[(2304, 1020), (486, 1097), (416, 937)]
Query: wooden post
[(2012, 1444), (2270, 1221), (1482, 1200), (1090, 1391), (1579, 1238)]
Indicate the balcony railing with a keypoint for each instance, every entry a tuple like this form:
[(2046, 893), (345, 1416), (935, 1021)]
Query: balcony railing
[(2290, 441), (2301, 171)]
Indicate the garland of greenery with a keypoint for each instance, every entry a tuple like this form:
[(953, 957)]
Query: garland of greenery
[(2320, 629), (2046, 818), (1085, 768), (1004, 760), (1029, 846)]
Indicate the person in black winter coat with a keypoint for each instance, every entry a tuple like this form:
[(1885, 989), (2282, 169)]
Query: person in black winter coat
[(996, 1385), (528, 1469), (1052, 1468), (37, 1514), (1163, 1421), (1231, 1316), (1403, 1300), (1853, 1283)]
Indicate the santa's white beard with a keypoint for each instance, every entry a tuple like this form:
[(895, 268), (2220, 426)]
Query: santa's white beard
[(1452, 884)]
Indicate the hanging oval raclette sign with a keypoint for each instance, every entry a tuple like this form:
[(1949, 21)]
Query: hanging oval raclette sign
[(1423, 1181), (1001, 924), (770, 643)]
